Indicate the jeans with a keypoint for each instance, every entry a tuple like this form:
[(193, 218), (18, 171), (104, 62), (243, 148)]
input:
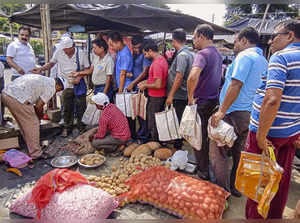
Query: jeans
[(100, 88)]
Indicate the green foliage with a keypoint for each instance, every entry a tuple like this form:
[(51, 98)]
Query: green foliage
[(37, 46), (9, 8)]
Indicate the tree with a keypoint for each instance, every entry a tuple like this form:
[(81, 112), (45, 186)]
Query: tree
[(9, 9), (276, 11)]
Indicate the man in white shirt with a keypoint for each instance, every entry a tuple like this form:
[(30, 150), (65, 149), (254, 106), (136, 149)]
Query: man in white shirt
[(20, 55), (66, 58), (25, 98)]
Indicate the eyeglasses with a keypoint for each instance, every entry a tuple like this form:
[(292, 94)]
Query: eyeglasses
[(276, 34)]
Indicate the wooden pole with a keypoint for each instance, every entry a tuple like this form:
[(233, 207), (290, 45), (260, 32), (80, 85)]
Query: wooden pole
[(47, 40), (264, 18)]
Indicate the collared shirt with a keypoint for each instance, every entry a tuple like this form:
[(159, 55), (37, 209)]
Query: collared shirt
[(124, 61), (23, 56), (66, 65), (283, 73), (102, 68), (114, 121), (139, 64), (210, 61), (29, 88), (248, 67), (1, 70), (183, 64)]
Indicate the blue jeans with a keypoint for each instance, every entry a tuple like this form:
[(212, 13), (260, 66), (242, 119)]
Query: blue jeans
[(100, 88)]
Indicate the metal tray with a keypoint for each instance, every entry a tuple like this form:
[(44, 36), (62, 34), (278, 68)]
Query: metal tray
[(91, 166), (64, 161)]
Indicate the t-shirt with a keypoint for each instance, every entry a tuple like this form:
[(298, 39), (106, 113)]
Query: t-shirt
[(102, 68), (29, 88), (283, 73), (66, 65), (139, 63), (248, 67), (182, 63), (124, 61), (23, 56), (158, 69), (210, 61)]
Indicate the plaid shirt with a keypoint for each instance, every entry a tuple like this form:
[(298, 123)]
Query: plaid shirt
[(114, 121)]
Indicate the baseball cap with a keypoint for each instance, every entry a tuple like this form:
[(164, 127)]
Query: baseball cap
[(66, 42), (100, 99)]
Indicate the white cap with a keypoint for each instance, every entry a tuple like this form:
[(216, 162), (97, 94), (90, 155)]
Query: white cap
[(66, 42), (100, 99)]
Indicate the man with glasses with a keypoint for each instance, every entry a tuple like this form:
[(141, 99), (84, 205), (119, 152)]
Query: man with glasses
[(276, 111)]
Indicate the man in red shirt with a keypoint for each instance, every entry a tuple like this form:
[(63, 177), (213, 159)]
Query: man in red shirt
[(156, 85), (113, 129)]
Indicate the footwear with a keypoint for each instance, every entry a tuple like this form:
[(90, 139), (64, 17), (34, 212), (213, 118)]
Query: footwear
[(235, 192), (64, 133), (61, 122), (296, 161)]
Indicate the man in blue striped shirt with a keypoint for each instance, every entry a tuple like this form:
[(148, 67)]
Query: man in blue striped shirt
[(275, 116)]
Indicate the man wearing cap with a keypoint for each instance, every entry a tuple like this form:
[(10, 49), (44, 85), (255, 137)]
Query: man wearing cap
[(113, 129), (25, 98), (69, 59)]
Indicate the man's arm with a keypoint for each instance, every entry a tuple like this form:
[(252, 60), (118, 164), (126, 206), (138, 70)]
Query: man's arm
[(122, 80), (268, 111), (38, 107), (192, 83), (107, 83), (157, 84), (12, 64), (140, 78), (85, 72), (176, 85), (231, 95), (47, 66)]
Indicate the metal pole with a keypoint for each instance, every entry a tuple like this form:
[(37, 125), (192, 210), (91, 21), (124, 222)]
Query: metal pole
[(264, 17)]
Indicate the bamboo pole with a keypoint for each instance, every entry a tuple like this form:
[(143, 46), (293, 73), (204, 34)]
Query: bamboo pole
[(264, 18), (47, 40)]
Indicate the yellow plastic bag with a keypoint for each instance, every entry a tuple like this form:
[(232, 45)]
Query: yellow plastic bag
[(258, 177)]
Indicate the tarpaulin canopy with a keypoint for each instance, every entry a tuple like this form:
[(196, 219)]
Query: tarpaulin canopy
[(125, 17)]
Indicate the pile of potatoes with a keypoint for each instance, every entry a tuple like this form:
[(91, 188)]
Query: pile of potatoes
[(147, 149), (91, 159), (115, 183)]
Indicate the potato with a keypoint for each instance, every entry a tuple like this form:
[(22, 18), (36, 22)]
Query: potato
[(142, 149), (154, 145), (163, 153), (128, 151)]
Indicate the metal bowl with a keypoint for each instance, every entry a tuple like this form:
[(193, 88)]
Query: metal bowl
[(94, 165), (64, 161)]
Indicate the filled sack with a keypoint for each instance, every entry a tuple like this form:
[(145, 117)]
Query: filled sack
[(177, 194), (91, 115), (123, 102)]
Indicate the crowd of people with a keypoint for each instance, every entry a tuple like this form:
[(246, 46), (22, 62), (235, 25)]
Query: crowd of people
[(259, 98)]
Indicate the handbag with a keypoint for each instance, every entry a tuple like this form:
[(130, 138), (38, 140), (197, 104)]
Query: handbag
[(123, 102), (258, 177), (80, 88), (167, 124), (190, 127)]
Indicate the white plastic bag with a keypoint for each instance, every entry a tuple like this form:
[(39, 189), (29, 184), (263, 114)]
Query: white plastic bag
[(91, 115), (123, 102), (223, 135), (167, 124), (179, 160), (190, 127)]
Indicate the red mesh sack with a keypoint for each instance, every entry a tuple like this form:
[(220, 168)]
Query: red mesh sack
[(56, 180), (177, 194)]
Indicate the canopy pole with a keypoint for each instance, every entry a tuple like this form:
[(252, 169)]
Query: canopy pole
[(164, 43), (47, 42), (264, 18)]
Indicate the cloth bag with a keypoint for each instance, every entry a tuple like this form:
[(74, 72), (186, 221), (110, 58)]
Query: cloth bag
[(123, 102), (258, 177), (223, 134), (190, 127), (143, 106), (16, 158), (91, 115), (167, 124)]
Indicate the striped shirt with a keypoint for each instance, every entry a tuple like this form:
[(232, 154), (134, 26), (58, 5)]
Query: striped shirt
[(283, 73)]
